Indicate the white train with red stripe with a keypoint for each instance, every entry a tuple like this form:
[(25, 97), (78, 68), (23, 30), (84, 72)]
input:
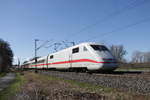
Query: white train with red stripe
[(85, 56)]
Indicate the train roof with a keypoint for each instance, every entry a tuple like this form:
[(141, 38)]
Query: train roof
[(33, 60), (80, 44), (85, 43), (41, 58)]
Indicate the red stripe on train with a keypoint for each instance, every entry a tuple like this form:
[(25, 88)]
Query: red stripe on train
[(73, 61)]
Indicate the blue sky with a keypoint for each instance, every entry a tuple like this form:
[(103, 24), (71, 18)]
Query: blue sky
[(21, 21)]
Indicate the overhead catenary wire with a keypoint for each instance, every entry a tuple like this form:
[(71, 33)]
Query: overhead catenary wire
[(130, 6), (119, 29), (42, 45)]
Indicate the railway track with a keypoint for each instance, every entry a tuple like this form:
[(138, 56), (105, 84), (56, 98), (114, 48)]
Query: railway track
[(128, 82), (125, 74)]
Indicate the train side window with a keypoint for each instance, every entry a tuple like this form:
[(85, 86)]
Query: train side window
[(41, 61), (75, 50), (85, 49), (51, 57)]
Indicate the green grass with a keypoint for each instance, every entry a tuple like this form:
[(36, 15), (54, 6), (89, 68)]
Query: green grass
[(2, 74), (13, 88)]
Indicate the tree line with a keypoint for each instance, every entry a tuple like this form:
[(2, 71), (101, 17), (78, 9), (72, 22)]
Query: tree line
[(6, 56), (140, 57), (119, 52)]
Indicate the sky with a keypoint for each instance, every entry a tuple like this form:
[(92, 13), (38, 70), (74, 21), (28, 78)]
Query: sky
[(117, 22)]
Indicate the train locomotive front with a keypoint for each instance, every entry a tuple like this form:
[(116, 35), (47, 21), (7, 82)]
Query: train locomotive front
[(104, 60)]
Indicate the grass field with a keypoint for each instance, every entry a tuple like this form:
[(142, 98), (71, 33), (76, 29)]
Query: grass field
[(35, 86), (7, 93)]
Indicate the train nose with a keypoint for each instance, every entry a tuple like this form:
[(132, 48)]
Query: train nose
[(109, 64), (109, 60)]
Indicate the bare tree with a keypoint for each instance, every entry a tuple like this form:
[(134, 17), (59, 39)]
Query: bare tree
[(140, 57), (136, 56), (118, 52), (6, 55), (147, 57)]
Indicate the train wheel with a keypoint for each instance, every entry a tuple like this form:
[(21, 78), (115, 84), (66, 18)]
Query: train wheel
[(89, 72)]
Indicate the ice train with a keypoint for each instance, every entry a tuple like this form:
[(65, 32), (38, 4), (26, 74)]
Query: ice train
[(84, 56)]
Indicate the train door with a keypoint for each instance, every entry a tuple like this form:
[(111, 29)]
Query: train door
[(75, 57), (70, 60), (46, 63)]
